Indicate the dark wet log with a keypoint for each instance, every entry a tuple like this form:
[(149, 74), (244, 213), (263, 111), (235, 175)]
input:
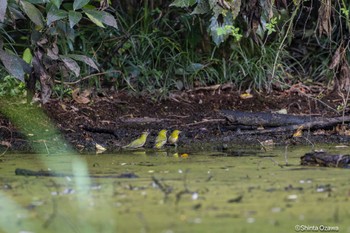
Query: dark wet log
[(27, 172), (265, 119), (280, 122), (322, 124), (323, 159)]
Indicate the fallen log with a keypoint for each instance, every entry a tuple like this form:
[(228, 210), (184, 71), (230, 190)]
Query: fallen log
[(280, 122), (277, 123), (265, 119), (323, 159), (320, 124)]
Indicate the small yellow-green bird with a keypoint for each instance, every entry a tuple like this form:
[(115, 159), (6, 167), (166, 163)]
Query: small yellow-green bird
[(138, 142), (174, 137), (161, 139)]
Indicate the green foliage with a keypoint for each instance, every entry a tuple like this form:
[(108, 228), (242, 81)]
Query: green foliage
[(223, 13), (154, 48), (151, 59), (229, 30), (11, 87), (271, 26), (52, 29)]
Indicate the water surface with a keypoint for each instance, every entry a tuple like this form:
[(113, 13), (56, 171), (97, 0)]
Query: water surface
[(245, 190)]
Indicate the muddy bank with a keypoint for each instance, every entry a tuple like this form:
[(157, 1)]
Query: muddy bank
[(195, 113)]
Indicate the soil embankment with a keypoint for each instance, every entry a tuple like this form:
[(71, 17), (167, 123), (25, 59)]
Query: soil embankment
[(114, 119)]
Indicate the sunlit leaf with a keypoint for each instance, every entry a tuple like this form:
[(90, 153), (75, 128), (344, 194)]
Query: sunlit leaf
[(74, 18), (33, 13), (71, 65), (95, 20), (79, 4), (183, 3), (54, 15), (27, 55), (3, 6), (84, 59), (101, 17)]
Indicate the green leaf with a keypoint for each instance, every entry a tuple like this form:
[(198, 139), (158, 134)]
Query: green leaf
[(78, 4), (109, 20), (194, 67), (38, 1), (33, 13), (74, 18), (216, 31), (84, 59), (102, 16), (14, 65), (57, 3), (27, 55), (202, 7), (95, 20), (213, 3), (71, 65), (15, 13), (55, 15), (3, 6), (183, 3)]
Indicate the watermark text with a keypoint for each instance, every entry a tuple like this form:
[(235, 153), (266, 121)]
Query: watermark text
[(316, 228)]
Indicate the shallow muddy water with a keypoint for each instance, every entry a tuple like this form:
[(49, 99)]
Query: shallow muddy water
[(245, 190)]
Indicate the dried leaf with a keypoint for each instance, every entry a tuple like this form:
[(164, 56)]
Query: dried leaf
[(87, 60), (336, 57), (45, 79), (299, 132), (324, 18), (71, 65), (344, 76), (246, 96), (100, 149), (81, 98), (5, 143), (63, 106), (86, 93)]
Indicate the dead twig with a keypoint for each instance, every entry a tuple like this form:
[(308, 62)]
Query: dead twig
[(88, 77), (206, 121)]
